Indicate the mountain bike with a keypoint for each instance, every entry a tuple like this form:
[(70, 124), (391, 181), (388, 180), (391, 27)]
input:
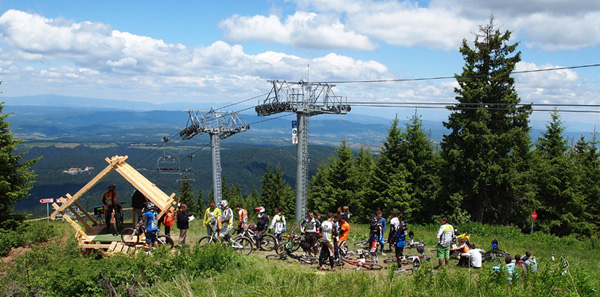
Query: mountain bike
[(132, 236), (268, 242), (294, 242), (239, 244), (286, 250), (362, 262)]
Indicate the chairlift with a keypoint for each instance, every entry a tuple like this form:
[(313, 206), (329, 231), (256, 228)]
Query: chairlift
[(167, 164), (190, 174)]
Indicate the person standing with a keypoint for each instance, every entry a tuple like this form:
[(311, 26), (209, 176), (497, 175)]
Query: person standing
[(262, 225), (327, 242), (394, 224), (167, 220), (183, 223), (278, 224), (109, 199), (226, 219), (242, 218), (444, 240), (400, 239), (151, 217), (382, 222), (138, 201), (309, 228), (212, 219)]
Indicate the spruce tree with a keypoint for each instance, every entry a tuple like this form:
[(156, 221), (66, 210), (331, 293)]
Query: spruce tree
[(587, 162), (486, 156), (561, 208), (418, 156), (388, 189), (16, 175), (364, 168), (277, 192), (187, 197)]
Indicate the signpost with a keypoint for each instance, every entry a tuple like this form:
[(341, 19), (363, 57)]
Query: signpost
[(534, 216), (294, 132), (47, 201)]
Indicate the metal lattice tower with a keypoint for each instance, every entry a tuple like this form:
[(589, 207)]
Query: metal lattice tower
[(219, 125), (305, 99)]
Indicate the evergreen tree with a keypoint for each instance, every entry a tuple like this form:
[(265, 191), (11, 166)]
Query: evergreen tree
[(560, 206), (16, 176), (418, 156), (252, 202), (186, 197), (587, 159), (388, 189), (202, 205), (277, 192), (486, 156), (364, 168)]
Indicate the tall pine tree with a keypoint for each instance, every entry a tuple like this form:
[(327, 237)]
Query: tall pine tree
[(16, 176), (187, 197), (486, 156), (277, 192)]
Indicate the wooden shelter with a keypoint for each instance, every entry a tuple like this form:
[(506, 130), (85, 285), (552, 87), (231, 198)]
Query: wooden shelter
[(88, 236)]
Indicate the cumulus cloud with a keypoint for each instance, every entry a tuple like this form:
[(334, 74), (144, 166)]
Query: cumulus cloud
[(302, 29)]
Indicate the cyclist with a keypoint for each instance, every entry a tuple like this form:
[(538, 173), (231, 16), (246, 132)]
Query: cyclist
[(167, 220), (151, 217), (242, 218), (278, 223), (327, 230), (226, 219), (463, 252), (344, 231), (375, 235), (444, 238), (400, 239), (382, 222), (309, 227), (394, 224), (109, 199), (212, 219), (262, 225)]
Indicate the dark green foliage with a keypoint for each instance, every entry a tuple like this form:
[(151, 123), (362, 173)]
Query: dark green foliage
[(24, 235), (277, 192), (562, 208), (187, 197), (16, 176), (487, 153), (388, 188)]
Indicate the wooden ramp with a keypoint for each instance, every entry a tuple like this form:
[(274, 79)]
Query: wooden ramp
[(89, 236)]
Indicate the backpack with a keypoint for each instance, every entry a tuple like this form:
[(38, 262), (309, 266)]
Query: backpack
[(168, 219)]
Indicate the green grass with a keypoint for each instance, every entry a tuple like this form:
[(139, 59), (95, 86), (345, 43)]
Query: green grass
[(221, 272)]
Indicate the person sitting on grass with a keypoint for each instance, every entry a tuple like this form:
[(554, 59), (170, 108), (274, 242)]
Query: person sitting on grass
[(508, 266), (463, 252), (530, 261), (520, 263)]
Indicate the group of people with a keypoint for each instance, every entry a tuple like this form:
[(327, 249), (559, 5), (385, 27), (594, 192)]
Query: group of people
[(331, 233), (470, 256)]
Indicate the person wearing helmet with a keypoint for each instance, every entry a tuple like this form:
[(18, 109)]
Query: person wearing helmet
[(310, 227), (375, 233), (278, 225), (109, 199), (212, 219), (226, 219), (151, 217), (262, 225)]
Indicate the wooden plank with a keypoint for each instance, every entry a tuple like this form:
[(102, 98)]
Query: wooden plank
[(112, 246), (89, 185), (96, 246), (125, 249), (81, 220), (87, 214)]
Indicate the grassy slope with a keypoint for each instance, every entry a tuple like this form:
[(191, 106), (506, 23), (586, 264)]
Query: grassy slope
[(259, 277)]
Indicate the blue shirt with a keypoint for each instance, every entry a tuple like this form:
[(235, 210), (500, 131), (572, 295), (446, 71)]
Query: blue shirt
[(151, 220)]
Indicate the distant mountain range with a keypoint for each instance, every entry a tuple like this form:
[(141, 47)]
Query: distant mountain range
[(80, 119)]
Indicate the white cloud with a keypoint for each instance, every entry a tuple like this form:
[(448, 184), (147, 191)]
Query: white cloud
[(302, 29)]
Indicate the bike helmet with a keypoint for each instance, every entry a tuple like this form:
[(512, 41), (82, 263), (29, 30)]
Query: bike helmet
[(223, 203), (149, 205), (112, 186), (260, 210)]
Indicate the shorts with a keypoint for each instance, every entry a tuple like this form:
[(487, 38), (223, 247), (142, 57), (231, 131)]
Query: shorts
[(311, 239), (443, 252), (151, 237)]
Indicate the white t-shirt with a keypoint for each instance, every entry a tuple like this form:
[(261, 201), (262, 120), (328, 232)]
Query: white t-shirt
[(327, 230), (475, 255)]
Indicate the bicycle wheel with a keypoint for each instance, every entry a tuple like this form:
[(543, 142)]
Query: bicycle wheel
[(372, 266), (309, 260), (390, 260), (166, 240), (205, 240), (268, 243), (280, 249), (242, 245), (362, 243), (130, 236)]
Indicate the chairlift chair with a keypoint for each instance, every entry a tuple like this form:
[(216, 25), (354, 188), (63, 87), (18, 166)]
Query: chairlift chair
[(168, 165)]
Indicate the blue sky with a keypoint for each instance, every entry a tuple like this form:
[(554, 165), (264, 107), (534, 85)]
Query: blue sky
[(225, 51)]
